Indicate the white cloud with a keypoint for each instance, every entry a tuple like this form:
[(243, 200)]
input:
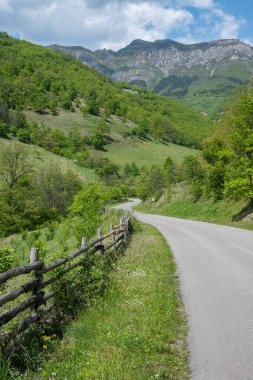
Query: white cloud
[(150, 22), (115, 23), (202, 4), (5, 6), (227, 26), (188, 40)]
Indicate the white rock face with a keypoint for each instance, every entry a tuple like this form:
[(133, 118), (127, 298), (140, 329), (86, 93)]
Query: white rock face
[(169, 59), (150, 62)]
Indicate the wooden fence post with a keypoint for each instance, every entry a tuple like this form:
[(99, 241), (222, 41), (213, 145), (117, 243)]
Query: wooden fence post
[(126, 228), (123, 221), (84, 242), (34, 256), (113, 236), (99, 237)]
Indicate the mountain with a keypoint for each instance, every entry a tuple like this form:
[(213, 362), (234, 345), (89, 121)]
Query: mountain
[(203, 75)]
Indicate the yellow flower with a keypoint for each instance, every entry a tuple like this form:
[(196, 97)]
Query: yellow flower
[(44, 347), (46, 338)]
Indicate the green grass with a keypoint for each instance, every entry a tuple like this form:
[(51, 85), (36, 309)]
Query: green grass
[(65, 120), (181, 205), (137, 331), (54, 243), (200, 96), (41, 159), (58, 241), (85, 125), (145, 153), (122, 150)]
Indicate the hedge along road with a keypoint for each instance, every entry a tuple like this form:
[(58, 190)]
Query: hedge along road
[(215, 265)]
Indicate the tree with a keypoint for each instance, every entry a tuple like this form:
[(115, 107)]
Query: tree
[(17, 119), (150, 183), (14, 172), (110, 106), (56, 189), (23, 135), (103, 128), (239, 184), (98, 140), (217, 156), (93, 103), (86, 211), (194, 173), (108, 171), (4, 129), (142, 130), (192, 168), (14, 164), (168, 169), (4, 112), (162, 129), (131, 170)]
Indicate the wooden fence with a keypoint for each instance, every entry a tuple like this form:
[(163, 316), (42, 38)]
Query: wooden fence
[(37, 285)]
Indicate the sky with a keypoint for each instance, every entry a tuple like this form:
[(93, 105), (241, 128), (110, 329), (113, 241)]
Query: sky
[(113, 24)]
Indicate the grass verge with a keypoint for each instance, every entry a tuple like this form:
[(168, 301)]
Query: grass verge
[(137, 330), (181, 205)]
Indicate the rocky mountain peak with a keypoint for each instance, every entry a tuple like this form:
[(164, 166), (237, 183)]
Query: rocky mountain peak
[(195, 71)]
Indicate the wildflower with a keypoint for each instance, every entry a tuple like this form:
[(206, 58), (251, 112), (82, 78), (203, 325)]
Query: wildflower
[(46, 338), (44, 347)]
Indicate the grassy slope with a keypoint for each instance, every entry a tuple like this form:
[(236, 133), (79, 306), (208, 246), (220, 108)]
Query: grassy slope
[(65, 120), (146, 153), (68, 121), (137, 331), (181, 205), (143, 153), (57, 242), (41, 159), (200, 96)]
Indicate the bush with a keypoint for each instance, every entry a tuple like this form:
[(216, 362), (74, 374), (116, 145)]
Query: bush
[(6, 260)]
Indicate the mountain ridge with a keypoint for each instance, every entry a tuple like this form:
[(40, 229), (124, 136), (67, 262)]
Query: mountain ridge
[(217, 65)]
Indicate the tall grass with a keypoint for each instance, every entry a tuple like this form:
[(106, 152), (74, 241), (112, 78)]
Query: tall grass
[(180, 204), (137, 330)]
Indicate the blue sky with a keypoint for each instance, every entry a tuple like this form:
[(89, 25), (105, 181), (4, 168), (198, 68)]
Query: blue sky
[(244, 9), (113, 24)]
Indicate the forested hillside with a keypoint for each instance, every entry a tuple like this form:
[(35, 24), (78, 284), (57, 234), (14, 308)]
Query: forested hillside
[(58, 107), (36, 78), (217, 186)]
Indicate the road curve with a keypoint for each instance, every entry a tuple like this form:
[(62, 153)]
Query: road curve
[(215, 265)]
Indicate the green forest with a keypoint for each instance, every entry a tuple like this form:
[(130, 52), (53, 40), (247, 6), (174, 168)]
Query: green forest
[(48, 83)]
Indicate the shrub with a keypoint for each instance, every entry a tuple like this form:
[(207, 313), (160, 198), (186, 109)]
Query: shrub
[(6, 260)]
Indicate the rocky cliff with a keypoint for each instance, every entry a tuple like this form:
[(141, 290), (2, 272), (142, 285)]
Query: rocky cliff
[(202, 74)]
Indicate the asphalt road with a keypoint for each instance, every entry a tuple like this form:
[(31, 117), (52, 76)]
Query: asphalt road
[(215, 265)]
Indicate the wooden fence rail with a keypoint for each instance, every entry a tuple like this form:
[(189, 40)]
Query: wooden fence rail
[(37, 285)]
